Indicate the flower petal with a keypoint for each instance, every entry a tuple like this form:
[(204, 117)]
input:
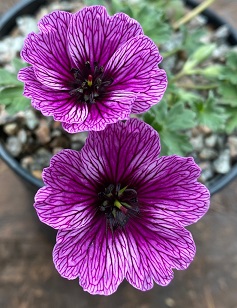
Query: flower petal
[(58, 104), (135, 67), (97, 258), (171, 185), (113, 107), (47, 51), (95, 36), (156, 246), (114, 154), (68, 200)]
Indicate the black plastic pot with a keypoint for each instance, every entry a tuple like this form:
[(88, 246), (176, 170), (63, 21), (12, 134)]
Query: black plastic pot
[(7, 22)]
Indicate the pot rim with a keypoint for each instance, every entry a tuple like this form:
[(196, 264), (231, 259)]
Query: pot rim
[(7, 22)]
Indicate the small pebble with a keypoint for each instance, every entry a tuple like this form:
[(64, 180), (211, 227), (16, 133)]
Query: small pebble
[(9, 48), (220, 52), (26, 162), (207, 171), (197, 142), (37, 174), (31, 120), (232, 142), (43, 132), (207, 153), (27, 24), (10, 128), (169, 302), (81, 137), (222, 163), (13, 145), (205, 129), (42, 158), (222, 32), (210, 141), (57, 150), (22, 136), (198, 21), (220, 142)]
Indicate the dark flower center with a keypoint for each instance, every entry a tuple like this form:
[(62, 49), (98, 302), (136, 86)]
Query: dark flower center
[(118, 205), (90, 83)]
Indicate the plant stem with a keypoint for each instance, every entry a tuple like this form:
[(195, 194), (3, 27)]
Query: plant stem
[(196, 11)]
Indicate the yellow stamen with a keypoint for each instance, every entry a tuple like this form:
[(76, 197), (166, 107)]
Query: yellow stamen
[(89, 81), (117, 204)]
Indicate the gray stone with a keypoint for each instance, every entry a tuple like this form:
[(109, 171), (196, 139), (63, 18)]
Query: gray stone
[(232, 142), (222, 163), (43, 132), (205, 129), (197, 142), (81, 137), (13, 145), (22, 136), (210, 141), (10, 128), (207, 171), (41, 159), (57, 150), (26, 24), (198, 21), (26, 162), (31, 120), (207, 153), (220, 143), (222, 32), (9, 47), (220, 52)]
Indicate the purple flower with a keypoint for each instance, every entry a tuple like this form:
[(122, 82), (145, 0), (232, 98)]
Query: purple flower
[(121, 210), (90, 69)]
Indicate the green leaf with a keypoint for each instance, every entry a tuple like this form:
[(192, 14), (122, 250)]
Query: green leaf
[(179, 118), (17, 104), (231, 124), (228, 92), (191, 41), (188, 97), (8, 79), (170, 124), (11, 92), (229, 71), (210, 114), (175, 143), (12, 98), (18, 64), (200, 55)]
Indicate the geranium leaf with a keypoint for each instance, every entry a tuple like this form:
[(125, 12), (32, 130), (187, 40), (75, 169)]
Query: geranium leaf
[(170, 124), (209, 113), (7, 78)]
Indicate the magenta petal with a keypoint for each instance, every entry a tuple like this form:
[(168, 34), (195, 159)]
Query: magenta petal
[(115, 106), (58, 104), (67, 201), (156, 246), (171, 185), (95, 36), (98, 259), (47, 51), (118, 151), (134, 67)]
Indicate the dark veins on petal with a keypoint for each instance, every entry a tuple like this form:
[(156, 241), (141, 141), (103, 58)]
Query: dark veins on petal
[(90, 83), (118, 204)]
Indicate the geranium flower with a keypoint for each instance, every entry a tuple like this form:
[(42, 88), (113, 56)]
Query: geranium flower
[(121, 210), (90, 69)]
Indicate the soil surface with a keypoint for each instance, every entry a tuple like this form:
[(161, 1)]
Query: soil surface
[(28, 278)]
